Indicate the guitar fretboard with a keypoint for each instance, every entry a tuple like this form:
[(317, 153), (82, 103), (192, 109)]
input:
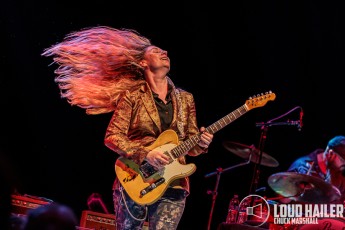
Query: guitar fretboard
[(183, 148)]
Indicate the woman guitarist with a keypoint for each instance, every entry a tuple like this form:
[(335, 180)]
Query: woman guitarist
[(153, 127)]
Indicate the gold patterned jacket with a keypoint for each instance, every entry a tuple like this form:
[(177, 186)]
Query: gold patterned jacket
[(135, 124)]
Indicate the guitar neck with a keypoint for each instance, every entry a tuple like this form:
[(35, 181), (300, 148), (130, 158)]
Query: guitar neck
[(221, 123), (188, 144)]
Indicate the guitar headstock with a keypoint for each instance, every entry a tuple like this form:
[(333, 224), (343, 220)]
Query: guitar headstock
[(260, 100)]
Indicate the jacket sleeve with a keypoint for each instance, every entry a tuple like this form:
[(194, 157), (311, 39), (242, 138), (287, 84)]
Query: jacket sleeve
[(116, 134)]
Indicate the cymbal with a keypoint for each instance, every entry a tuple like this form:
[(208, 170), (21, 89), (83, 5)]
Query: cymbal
[(303, 187), (244, 151)]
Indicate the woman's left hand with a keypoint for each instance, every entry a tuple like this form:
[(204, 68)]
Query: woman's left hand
[(205, 138)]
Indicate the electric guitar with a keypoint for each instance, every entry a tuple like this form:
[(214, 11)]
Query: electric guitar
[(145, 184)]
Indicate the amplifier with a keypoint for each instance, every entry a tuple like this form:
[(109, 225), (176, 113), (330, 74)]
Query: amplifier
[(99, 221), (21, 204)]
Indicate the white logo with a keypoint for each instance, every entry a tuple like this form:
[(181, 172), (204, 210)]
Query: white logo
[(257, 209), (305, 213)]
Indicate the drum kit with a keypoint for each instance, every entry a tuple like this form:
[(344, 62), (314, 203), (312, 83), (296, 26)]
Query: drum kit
[(295, 187)]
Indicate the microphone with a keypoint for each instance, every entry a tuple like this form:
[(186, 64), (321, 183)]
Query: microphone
[(300, 119), (288, 122), (298, 123)]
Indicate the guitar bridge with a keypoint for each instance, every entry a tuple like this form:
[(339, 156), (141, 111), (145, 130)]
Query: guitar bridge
[(151, 187), (147, 170)]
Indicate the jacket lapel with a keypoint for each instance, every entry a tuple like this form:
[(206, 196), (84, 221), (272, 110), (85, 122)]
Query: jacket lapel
[(175, 109), (150, 106)]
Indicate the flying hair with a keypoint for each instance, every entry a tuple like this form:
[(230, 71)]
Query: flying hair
[(96, 65)]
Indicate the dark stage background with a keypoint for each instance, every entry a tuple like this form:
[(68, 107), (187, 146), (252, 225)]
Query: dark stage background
[(221, 52)]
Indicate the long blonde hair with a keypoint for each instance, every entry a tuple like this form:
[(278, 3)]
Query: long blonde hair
[(97, 64)]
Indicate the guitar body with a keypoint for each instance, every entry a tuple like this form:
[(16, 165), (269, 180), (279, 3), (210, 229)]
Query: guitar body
[(134, 180)]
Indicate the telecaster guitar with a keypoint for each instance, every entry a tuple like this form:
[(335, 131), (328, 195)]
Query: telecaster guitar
[(145, 184)]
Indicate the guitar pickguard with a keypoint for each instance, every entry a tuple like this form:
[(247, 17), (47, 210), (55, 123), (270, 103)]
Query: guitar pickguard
[(147, 170)]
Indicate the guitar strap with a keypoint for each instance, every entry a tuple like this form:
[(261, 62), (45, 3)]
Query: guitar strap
[(180, 113)]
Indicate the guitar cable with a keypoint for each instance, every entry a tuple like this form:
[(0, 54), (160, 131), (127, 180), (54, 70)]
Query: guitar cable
[(124, 201)]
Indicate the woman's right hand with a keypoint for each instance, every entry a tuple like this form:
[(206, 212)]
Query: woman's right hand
[(157, 158)]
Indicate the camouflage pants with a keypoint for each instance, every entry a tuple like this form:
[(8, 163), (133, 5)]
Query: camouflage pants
[(165, 214)]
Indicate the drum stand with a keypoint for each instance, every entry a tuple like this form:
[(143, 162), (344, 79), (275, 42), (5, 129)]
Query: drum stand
[(214, 193)]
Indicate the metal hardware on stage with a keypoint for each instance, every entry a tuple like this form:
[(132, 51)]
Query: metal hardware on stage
[(245, 151), (214, 193), (303, 187)]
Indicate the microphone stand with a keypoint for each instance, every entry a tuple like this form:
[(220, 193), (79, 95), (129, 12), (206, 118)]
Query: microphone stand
[(264, 127), (214, 193)]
